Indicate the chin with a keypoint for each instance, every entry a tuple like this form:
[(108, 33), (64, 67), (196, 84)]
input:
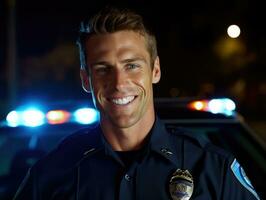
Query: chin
[(124, 122)]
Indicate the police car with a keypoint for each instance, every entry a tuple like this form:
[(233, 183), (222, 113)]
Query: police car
[(32, 130)]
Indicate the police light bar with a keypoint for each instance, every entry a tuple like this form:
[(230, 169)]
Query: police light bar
[(222, 106), (33, 117)]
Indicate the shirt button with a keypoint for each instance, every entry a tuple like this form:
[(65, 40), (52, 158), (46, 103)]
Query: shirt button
[(127, 177)]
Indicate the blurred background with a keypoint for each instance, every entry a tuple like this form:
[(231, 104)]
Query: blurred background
[(200, 56)]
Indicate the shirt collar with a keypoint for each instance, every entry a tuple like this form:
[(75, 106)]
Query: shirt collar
[(108, 149), (162, 143)]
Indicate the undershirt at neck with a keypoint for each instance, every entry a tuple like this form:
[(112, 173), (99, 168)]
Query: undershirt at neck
[(128, 157)]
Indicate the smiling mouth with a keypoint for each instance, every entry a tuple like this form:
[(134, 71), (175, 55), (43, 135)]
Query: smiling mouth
[(123, 100)]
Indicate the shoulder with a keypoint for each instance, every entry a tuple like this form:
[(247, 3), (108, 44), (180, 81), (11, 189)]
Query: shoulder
[(57, 168), (71, 149), (199, 155), (83, 138), (220, 169)]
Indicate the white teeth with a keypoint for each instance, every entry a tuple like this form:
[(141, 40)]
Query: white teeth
[(123, 101)]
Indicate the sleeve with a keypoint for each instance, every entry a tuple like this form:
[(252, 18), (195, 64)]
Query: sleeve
[(27, 189), (236, 185)]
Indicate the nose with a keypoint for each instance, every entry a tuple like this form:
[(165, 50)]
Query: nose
[(119, 79)]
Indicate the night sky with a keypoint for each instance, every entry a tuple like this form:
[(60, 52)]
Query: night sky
[(191, 36)]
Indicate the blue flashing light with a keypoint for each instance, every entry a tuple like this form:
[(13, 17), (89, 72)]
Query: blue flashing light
[(12, 118), (229, 104), (86, 115), (32, 117), (225, 106)]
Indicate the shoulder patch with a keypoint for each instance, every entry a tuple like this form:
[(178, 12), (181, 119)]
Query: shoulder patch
[(241, 176)]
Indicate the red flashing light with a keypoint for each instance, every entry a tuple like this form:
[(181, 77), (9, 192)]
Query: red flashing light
[(199, 105), (57, 116)]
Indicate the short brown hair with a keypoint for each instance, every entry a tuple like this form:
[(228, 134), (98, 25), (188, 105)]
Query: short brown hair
[(110, 20)]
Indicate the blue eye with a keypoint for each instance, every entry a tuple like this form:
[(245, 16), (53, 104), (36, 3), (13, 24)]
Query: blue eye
[(132, 66)]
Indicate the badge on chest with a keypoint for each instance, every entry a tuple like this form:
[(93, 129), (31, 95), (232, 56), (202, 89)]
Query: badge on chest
[(181, 185)]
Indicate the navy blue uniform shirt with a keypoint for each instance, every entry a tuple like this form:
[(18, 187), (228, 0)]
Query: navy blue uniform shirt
[(84, 167)]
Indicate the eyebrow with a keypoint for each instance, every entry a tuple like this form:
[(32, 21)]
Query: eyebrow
[(134, 59), (100, 63)]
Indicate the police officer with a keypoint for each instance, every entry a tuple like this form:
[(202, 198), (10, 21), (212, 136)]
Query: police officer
[(130, 155)]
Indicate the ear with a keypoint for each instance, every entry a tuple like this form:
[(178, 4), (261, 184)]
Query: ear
[(85, 80), (156, 72)]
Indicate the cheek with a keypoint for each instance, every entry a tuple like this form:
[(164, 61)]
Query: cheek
[(98, 83), (144, 84), (96, 90)]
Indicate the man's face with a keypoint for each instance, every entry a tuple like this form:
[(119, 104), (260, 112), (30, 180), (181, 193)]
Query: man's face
[(121, 77)]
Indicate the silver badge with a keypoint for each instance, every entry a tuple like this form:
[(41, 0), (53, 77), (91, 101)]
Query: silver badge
[(181, 185)]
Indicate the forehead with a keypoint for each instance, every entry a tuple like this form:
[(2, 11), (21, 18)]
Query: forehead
[(115, 43)]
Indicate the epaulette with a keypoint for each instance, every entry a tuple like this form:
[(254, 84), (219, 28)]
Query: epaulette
[(190, 134)]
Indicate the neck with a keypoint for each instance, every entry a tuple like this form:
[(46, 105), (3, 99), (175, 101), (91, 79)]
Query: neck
[(129, 138)]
